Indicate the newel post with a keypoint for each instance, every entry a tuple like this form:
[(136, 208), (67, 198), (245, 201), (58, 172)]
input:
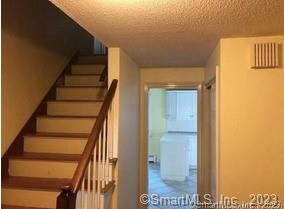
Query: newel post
[(66, 199)]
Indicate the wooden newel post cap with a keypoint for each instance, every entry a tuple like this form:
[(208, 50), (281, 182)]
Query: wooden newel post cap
[(67, 187)]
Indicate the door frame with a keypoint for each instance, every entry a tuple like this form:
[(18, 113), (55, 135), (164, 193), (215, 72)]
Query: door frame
[(143, 148)]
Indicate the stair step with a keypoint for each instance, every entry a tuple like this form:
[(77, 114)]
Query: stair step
[(55, 143), (46, 157), (83, 80), (80, 93), (52, 157), (92, 60), (29, 197), (65, 124), (47, 143), (73, 108), (43, 165), (87, 69), (37, 192), (69, 135), (18, 207), (46, 165), (67, 100), (47, 184), (31, 192)]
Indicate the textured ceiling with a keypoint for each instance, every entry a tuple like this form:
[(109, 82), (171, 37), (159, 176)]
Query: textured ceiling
[(174, 32)]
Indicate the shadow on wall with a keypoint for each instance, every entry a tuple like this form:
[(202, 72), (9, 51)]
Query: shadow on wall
[(41, 22)]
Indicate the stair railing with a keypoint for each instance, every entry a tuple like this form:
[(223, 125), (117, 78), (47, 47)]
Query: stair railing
[(93, 174)]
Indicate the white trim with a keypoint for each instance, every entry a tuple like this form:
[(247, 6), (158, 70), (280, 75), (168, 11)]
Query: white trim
[(217, 132)]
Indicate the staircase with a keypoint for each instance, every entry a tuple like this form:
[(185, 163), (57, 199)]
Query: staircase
[(68, 147)]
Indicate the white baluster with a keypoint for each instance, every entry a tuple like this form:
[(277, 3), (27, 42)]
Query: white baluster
[(107, 149), (89, 186), (104, 154), (110, 140), (99, 170), (83, 193), (94, 177), (111, 131)]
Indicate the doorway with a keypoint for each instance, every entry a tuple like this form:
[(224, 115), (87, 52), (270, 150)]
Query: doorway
[(172, 138)]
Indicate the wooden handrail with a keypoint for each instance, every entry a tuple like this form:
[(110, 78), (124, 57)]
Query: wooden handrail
[(103, 76), (92, 140)]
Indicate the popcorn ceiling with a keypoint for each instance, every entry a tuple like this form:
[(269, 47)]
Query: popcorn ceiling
[(176, 33)]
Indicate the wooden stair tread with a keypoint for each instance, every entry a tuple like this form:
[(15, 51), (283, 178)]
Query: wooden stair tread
[(94, 63), (46, 184), (87, 74), (21, 182), (46, 156), (50, 134), (92, 55), (66, 116), (83, 87), (92, 60), (19, 207), (66, 100), (77, 101), (52, 157)]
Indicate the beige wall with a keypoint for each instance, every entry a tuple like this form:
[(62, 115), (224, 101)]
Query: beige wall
[(126, 102), (37, 42), (150, 77), (171, 75), (251, 122)]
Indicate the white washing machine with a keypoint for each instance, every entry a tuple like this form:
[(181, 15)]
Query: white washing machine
[(175, 156)]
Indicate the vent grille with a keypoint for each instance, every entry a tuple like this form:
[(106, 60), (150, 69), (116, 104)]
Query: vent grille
[(265, 55)]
